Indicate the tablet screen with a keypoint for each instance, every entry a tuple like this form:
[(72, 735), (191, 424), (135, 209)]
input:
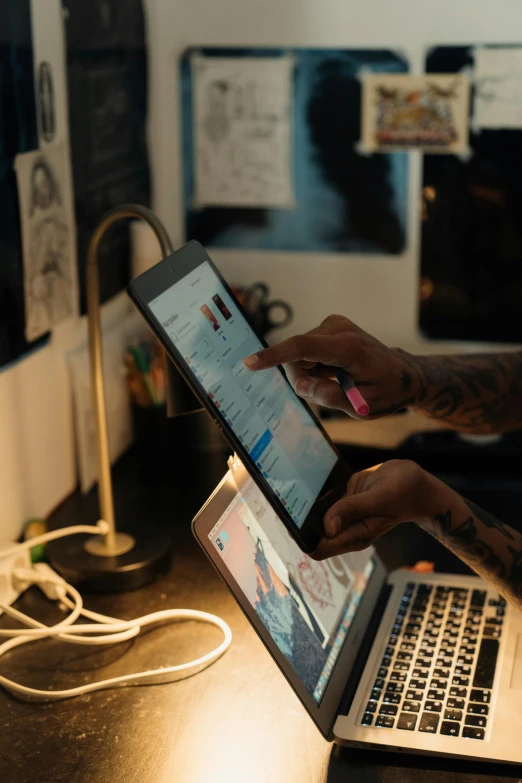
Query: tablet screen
[(261, 409)]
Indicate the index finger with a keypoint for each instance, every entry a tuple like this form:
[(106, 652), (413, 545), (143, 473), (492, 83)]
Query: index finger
[(330, 349)]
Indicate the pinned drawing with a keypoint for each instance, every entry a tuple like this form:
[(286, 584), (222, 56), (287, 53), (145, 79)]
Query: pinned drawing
[(403, 112), (498, 88), (243, 131), (48, 239)]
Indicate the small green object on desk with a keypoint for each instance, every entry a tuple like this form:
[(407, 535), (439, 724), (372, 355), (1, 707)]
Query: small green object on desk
[(33, 528)]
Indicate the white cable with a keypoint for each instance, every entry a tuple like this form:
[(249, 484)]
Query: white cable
[(100, 529), (106, 630)]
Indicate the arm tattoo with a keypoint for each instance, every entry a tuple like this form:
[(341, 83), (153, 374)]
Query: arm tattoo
[(475, 393), (483, 542)]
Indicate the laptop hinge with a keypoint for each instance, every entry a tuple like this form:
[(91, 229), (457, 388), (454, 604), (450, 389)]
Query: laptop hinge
[(363, 654)]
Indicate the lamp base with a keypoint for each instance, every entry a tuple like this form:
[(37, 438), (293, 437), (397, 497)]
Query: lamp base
[(148, 560)]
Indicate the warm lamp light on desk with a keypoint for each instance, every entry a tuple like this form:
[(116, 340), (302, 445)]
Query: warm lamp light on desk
[(116, 561)]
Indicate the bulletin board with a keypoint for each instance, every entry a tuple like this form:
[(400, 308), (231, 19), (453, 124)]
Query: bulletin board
[(342, 200), (471, 259), (107, 93), (18, 134)]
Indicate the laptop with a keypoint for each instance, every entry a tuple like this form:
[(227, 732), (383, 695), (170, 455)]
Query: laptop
[(401, 661)]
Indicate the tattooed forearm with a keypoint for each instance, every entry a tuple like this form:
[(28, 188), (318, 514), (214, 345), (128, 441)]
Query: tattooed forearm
[(491, 548), (475, 393)]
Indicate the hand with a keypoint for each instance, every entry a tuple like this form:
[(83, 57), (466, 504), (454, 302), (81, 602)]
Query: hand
[(376, 500), (386, 376)]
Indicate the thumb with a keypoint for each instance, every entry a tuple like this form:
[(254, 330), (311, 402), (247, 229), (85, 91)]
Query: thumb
[(351, 509)]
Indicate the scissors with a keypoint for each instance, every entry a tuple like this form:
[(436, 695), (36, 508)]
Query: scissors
[(266, 315)]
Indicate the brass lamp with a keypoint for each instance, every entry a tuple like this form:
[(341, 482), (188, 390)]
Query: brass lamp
[(117, 560)]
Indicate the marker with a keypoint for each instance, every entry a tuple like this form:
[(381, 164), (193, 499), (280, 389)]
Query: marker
[(352, 392)]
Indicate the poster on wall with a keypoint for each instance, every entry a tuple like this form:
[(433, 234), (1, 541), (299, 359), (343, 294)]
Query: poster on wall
[(498, 88), (403, 112), (48, 238), (243, 134)]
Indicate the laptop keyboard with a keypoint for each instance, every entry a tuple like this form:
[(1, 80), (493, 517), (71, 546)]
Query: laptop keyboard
[(438, 668)]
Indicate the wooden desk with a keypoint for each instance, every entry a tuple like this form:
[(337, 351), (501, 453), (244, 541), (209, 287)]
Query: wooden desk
[(388, 433), (237, 722)]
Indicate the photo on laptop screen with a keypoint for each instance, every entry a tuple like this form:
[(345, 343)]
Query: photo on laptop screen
[(306, 606)]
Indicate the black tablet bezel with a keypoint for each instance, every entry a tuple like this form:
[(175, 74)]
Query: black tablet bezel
[(325, 713), (154, 282)]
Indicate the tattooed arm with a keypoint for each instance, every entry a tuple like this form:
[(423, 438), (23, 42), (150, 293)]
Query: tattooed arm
[(472, 393), (489, 547), (400, 491)]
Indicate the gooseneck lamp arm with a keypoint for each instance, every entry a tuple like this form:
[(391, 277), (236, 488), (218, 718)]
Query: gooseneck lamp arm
[(112, 543)]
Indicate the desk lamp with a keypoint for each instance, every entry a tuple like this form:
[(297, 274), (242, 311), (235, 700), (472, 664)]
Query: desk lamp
[(118, 560)]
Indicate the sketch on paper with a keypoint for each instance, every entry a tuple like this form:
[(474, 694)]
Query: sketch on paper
[(498, 88), (402, 112), (48, 239), (243, 131)]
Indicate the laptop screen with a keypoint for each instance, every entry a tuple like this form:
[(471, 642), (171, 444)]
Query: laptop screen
[(307, 607)]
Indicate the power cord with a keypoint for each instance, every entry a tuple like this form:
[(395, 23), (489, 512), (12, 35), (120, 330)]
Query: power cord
[(102, 630)]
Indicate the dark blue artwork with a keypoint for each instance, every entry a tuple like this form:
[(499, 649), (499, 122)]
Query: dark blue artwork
[(345, 201)]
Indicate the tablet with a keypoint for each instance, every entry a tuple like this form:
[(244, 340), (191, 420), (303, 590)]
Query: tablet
[(207, 335)]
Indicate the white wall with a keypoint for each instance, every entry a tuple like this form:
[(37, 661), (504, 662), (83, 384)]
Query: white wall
[(377, 292)]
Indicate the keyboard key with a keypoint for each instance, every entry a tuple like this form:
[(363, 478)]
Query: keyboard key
[(453, 714), (404, 656), (410, 637), (450, 728), (478, 709), (388, 709), (401, 666), (395, 687), (392, 641), (423, 663), (457, 704), (383, 672), (418, 684), (411, 706), (392, 698), (433, 706), (416, 618), (469, 631), (466, 670), (375, 694), (379, 683), (439, 684), (447, 653), (386, 661), (469, 732), (480, 696), (407, 721), (389, 652), (460, 680), (460, 693), (371, 706), (429, 722), (492, 632), (468, 650), (467, 660), (422, 673), (448, 643), (408, 646), (414, 695), (486, 664), (476, 720), (494, 621), (412, 628), (367, 719), (444, 673), (398, 677), (478, 598), (384, 722), (436, 694)]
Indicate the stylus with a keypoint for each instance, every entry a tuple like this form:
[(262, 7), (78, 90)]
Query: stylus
[(352, 392)]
